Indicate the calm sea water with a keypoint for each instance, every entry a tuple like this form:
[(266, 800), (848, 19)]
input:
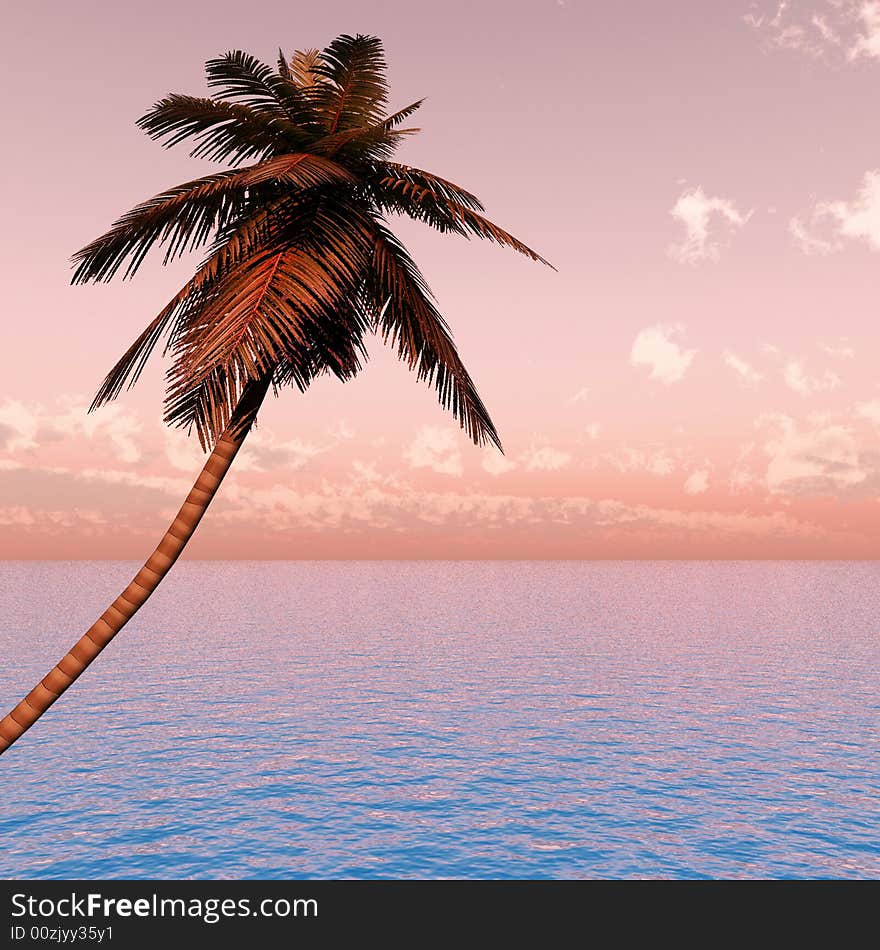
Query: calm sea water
[(449, 719)]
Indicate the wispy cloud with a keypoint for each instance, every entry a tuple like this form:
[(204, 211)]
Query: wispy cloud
[(830, 223), (697, 482), (27, 427), (820, 459), (747, 373), (545, 459), (845, 30), (655, 348), (867, 43), (495, 463), (841, 350), (870, 411), (701, 215), (796, 378), (436, 449), (631, 459)]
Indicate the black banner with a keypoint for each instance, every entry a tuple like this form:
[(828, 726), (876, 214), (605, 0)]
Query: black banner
[(124, 914)]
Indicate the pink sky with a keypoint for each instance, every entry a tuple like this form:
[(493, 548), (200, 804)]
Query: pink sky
[(697, 380)]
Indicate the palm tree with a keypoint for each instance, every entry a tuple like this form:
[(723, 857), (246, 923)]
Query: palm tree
[(300, 266)]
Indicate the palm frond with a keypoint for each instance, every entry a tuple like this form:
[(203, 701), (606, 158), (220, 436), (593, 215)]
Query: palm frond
[(402, 189), (185, 217), (376, 141), (406, 317), (283, 66), (286, 307), (250, 235), (356, 91), (224, 131), (238, 76), (303, 68)]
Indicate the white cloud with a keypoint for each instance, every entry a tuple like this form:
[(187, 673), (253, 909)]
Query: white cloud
[(279, 508), (629, 459), (844, 30), (581, 395), (28, 427), (870, 411), (797, 379), (841, 351), (868, 41), (746, 372), (53, 521), (697, 212), (183, 452), (655, 348), (437, 449), (593, 430), (809, 242), (545, 459), (18, 426), (819, 460), (495, 463), (177, 487), (262, 451), (833, 221), (697, 482)]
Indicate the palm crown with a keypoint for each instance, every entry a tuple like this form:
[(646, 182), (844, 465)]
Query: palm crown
[(301, 264)]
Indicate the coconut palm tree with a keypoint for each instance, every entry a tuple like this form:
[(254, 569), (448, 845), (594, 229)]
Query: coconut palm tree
[(300, 267)]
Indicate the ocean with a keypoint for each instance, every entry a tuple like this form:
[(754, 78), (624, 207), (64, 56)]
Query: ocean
[(449, 720)]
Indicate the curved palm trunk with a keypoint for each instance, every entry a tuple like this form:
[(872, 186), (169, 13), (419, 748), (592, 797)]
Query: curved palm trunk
[(78, 658)]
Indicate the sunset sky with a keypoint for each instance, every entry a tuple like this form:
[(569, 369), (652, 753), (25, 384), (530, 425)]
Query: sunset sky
[(697, 380)]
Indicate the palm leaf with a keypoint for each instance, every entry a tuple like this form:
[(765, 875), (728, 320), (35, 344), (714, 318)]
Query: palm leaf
[(373, 141), (223, 131), (443, 205), (185, 217), (303, 68), (287, 306), (238, 75), (356, 91), (406, 317)]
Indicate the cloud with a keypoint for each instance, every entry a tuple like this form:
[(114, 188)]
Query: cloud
[(655, 348), (822, 460), (697, 212), (629, 459), (796, 378), (545, 459), (841, 351), (262, 451), (592, 430), (810, 243), (28, 427), (437, 449), (747, 373), (176, 487), (495, 463), (833, 221), (868, 40), (581, 395), (697, 482), (48, 520), (869, 411), (842, 30), (383, 504), (18, 426)]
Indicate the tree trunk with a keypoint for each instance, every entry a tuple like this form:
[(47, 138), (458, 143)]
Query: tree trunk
[(80, 656)]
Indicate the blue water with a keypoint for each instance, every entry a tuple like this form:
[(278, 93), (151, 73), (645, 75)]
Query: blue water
[(449, 719)]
